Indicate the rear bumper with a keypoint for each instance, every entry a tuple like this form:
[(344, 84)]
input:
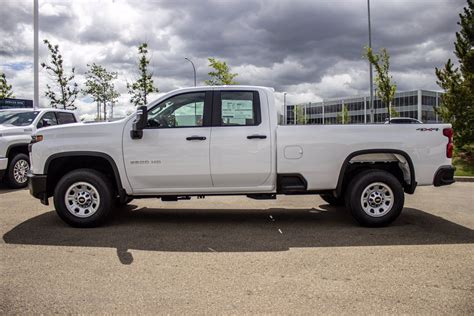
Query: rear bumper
[(37, 187), (444, 176)]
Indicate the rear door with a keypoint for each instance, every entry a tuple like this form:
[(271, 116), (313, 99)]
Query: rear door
[(240, 140)]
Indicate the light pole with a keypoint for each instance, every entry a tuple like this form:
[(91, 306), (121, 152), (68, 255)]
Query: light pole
[(35, 55), (284, 108), (194, 69), (370, 68)]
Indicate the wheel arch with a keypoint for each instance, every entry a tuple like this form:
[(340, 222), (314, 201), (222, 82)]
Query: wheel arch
[(374, 164), (17, 148), (95, 156)]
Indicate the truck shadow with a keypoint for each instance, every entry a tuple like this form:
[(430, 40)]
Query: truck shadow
[(236, 230)]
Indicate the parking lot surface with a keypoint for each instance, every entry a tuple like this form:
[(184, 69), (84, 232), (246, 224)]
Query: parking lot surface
[(295, 255)]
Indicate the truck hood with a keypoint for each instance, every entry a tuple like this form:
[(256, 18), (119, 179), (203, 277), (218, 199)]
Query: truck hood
[(83, 130), (11, 130)]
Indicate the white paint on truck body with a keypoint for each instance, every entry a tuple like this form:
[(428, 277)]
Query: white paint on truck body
[(227, 162)]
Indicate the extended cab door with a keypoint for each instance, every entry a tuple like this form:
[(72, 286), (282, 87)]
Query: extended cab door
[(173, 154), (240, 140)]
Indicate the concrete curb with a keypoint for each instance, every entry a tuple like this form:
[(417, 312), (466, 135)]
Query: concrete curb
[(464, 179)]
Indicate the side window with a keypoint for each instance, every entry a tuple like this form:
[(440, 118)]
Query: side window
[(65, 118), (184, 110), (48, 119), (239, 108)]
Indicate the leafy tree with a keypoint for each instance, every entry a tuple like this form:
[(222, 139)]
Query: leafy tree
[(457, 103), (100, 87), (300, 117), (344, 117), (66, 90), (393, 112), (221, 74), (386, 89), (140, 89), (5, 88)]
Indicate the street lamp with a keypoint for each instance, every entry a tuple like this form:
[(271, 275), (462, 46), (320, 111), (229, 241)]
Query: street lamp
[(194, 69), (35, 55), (370, 68)]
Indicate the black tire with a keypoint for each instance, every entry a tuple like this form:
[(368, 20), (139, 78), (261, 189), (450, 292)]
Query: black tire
[(10, 174), (104, 190), (332, 200), (383, 214)]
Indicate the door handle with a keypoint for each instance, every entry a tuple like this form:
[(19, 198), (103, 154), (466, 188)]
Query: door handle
[(196, 138), (256, 136)]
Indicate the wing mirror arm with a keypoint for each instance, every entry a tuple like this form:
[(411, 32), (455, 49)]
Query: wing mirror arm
[(139, 123)]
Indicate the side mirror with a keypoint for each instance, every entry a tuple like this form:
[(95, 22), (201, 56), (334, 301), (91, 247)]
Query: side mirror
[(43, 123), (139, 123)]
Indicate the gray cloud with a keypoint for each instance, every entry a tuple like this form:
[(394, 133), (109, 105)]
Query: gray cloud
[(312, 49)]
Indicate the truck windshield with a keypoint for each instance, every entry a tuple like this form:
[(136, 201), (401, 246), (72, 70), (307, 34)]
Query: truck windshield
[(18, 118)]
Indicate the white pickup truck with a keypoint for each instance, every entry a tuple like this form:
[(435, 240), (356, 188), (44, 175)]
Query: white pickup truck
[(225, 140), (16, 128)]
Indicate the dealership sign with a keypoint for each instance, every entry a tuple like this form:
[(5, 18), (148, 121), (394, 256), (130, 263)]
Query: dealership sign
[(15, 103)]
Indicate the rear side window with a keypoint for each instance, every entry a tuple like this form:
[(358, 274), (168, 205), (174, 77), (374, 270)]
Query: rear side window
[(239, 108), (65, 118)]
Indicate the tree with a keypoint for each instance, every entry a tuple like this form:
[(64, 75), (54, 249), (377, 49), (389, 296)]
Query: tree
[(140, 89), (344, 117), (393, 112), (100, 87), (65, 91), (221, 74), (457, 103), (386, 89), (5, 88), (299, 114)]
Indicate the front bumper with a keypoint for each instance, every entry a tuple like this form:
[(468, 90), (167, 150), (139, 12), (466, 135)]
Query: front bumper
[(3, 167), (444, 176), (3, 163), (37, 185)]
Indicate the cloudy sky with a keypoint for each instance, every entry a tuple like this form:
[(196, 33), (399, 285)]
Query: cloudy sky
[(310, 49)]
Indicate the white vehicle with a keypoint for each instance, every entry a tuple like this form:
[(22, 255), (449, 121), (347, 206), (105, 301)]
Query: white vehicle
[(225, 140), (16, 128)]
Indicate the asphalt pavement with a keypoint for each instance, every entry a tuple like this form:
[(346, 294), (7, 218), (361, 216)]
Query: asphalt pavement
[(233, 255)]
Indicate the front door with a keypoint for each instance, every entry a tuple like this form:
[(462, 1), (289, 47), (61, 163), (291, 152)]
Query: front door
[(173, 154), (240, 140)]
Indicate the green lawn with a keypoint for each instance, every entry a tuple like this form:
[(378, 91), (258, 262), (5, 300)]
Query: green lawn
[(463, 167)]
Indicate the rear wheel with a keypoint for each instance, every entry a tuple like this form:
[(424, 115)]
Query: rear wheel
[(332, 200), (18, 168), (375, 198), (84, 198)]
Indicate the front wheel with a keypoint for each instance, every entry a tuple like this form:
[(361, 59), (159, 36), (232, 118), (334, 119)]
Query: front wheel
[(375, 198), (84, 198), (18, 169)]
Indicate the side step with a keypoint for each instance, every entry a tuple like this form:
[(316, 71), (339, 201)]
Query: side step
[(174, 198), (263, 196)]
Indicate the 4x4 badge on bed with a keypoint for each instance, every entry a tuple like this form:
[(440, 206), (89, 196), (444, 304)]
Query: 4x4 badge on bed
[(424, 129)]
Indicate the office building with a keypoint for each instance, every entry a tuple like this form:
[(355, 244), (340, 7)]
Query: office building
[(417, 104)]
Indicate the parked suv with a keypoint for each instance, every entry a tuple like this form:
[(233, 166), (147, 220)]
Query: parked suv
[(16, 128)]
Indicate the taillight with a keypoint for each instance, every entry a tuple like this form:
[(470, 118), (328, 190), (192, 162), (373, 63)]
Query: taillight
[(448, 132)]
